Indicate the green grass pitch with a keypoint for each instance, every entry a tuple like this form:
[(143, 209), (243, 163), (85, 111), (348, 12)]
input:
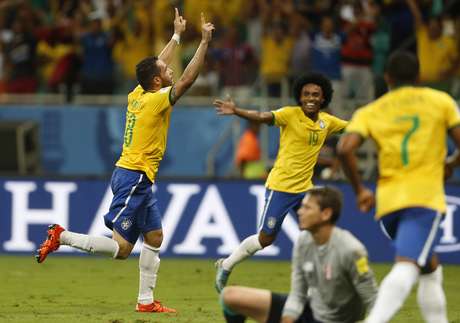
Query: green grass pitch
[(92, 289)]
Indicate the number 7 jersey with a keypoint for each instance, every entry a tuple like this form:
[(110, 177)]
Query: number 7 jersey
[(409, 126)]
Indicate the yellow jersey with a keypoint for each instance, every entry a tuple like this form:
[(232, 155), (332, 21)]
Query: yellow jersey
[(409, 126), (146, 130), (301, 140), (435, 56), (274, 63)]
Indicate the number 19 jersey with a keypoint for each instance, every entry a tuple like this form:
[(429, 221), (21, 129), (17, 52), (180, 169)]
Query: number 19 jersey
[(301, 140), (409, 126)]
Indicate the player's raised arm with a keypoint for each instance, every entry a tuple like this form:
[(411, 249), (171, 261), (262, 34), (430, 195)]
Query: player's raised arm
[(416, 13), (228, 107), (346, 149), (193, 68), (179, 27)]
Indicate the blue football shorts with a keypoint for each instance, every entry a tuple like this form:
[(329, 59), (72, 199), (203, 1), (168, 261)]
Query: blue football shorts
[(414, 231), (134, 207), (277, 206)]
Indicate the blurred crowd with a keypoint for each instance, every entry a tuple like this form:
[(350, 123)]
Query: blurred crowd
[(259, 47)]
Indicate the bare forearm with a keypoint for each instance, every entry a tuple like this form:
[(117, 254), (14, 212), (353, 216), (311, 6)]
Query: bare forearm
[(253, 115), (454, 159), (166, 54), (194, 66), (414, 9)]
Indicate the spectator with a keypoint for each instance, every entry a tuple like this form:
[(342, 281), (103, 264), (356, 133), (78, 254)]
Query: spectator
[(56, 54), (454, 71), (237, 65), (300, 60), (277, 46), (436, 51), (357, 55), (326, 59), (97, 66), (20, 57), (380, 42), (247, 157), (132, 45)]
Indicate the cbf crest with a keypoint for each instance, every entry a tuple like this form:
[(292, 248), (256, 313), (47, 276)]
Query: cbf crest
[(126, 224), (322, 125)]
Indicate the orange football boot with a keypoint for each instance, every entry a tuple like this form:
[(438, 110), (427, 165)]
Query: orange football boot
[(154, 307), (51, 243)]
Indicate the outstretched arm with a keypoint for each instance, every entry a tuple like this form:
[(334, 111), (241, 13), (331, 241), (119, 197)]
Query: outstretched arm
[(166, 54), (228, 107), (191, 71), (416, 13), (346, 149)]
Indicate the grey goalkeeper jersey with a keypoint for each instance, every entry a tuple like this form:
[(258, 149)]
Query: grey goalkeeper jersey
[(334, 277)]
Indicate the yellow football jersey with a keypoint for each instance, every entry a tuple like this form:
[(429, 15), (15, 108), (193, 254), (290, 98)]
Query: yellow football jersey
[(300, 142), (409, 126), (146, 130)]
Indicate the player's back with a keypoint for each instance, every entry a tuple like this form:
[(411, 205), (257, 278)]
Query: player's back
[(409, 126)]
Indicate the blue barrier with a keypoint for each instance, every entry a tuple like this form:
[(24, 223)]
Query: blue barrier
[(79, 140), (200, 218)]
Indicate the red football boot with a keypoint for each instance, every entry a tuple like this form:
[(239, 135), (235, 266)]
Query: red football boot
[(51, 243), (154, 307)]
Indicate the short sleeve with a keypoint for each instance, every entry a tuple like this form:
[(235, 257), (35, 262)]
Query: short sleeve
[(452, 114), (359, 124), (336, 125), (160, 99), (281, 116)]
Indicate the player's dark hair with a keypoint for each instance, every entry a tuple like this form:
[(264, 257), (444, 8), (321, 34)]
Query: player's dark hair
[(146, 70), (402, 67), (328, 197), (314, 78)]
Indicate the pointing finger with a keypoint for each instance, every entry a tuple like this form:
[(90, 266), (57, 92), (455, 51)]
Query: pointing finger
[(176, 12), (202, 19)]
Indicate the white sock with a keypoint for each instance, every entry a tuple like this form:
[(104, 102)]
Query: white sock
[(149, 262), (393, 291), (92, 244), (431, 298), (247, 248)]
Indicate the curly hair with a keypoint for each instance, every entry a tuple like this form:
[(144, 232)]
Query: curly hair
[(314, 78)]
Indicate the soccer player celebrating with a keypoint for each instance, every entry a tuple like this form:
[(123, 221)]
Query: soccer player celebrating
[(330, 282), (409, 125), (134, 209), (304, 128)]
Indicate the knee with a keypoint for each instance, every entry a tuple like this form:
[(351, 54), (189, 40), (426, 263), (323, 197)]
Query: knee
[(266, 240), (124, 251), (154, 239), (231, 297)]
